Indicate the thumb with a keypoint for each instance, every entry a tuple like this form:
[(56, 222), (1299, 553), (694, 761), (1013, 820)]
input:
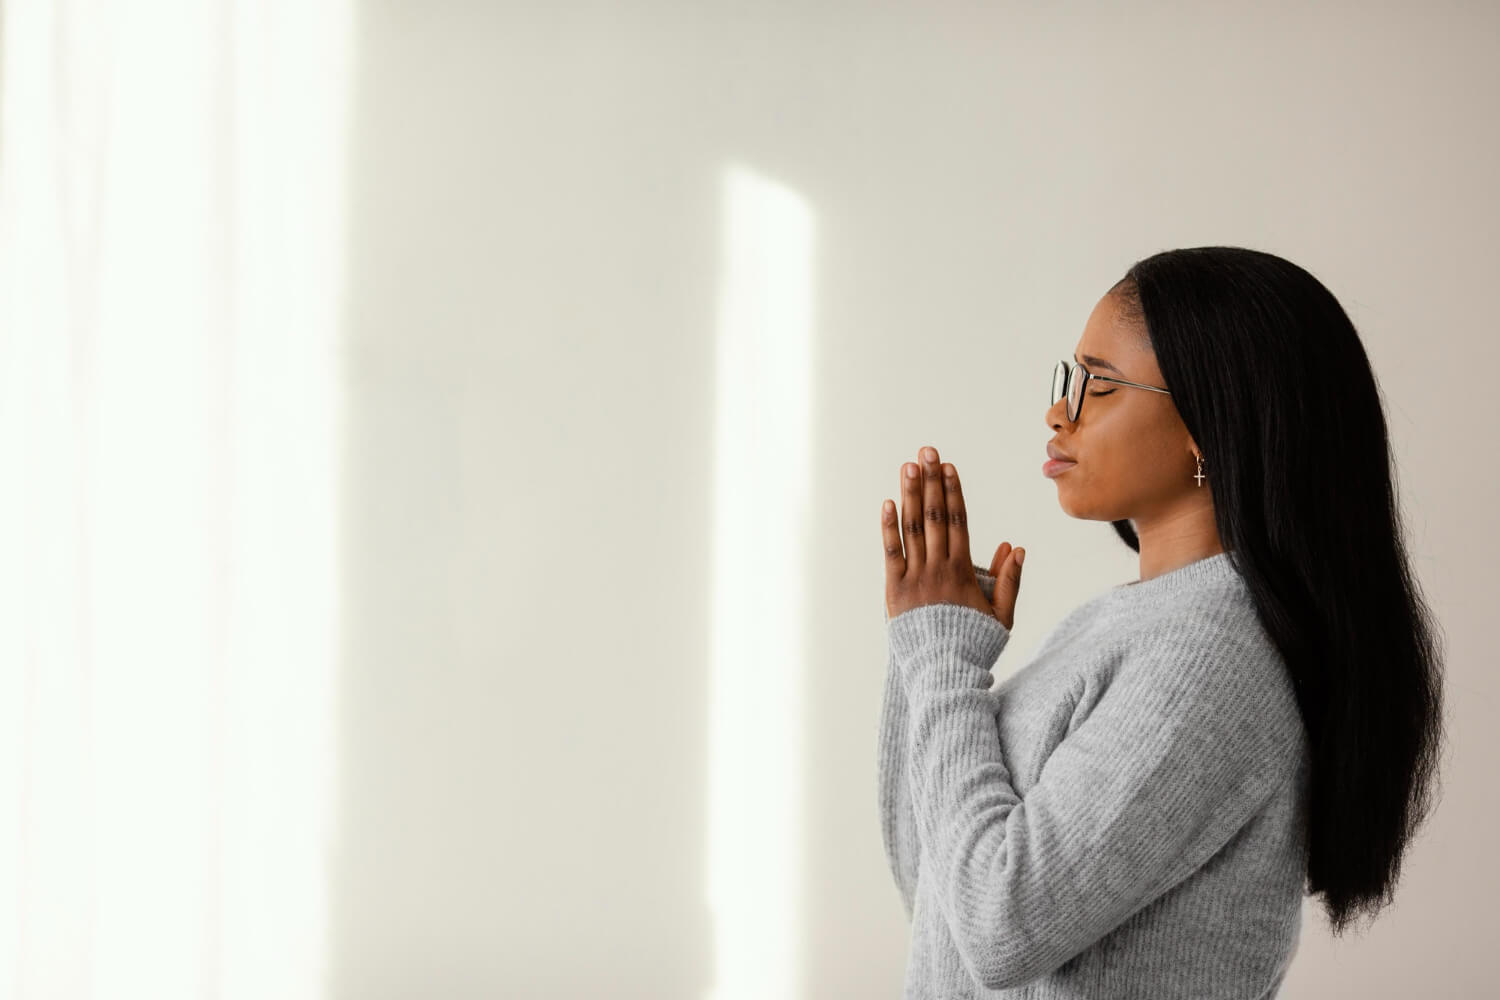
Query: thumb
[(1006, 568)]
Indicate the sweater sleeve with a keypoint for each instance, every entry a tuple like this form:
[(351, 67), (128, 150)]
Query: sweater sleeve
[(1177, 754), (898, 823)]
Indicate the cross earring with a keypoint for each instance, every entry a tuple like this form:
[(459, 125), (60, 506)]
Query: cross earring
[(1199, 476)]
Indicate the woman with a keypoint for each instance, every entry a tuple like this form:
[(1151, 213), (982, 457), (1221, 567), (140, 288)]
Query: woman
[(1138, 810)]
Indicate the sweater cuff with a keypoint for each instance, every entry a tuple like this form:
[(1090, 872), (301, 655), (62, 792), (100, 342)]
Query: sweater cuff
[(945, 645)]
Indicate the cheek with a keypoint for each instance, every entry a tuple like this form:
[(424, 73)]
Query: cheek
[(1091, 477), (1105, 455), (1109, 471), (1096, 477)]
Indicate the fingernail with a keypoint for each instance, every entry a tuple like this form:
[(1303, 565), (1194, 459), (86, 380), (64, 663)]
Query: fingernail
[(1021, 557), (911, 472)]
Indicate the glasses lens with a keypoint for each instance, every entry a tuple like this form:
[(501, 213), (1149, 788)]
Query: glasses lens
[(1059, 382), (1075, 391)]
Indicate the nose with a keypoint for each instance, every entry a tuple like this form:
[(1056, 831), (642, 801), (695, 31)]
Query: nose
[(1057, 414)]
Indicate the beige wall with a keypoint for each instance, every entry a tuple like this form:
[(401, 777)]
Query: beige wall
[(585, 563)]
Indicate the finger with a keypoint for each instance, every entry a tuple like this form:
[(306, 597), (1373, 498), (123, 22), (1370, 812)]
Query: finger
[(999, 560), (911, 517), (1013, 570), (1007, 584), (890, 537), (934, 508), (958, 516)]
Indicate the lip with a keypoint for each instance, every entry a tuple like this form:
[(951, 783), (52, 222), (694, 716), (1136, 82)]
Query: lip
[(1053, 467), (1053, 451)]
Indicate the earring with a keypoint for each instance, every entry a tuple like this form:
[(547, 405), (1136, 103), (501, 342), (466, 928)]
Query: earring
[(1199, 476)]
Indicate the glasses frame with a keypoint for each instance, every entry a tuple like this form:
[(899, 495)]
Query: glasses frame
[(1068, 369)]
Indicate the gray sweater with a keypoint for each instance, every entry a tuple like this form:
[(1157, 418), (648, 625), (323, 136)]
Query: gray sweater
[(1120, 817)]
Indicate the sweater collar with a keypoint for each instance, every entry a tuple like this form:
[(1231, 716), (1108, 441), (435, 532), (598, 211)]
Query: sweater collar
[(1217, 568)]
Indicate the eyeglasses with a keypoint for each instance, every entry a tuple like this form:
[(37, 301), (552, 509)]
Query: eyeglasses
[(1069, 379)]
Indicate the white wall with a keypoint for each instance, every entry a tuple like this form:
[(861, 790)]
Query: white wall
[(592, 563)]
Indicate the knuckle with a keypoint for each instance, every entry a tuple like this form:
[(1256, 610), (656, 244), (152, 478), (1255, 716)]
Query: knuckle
[(914, 526), (892, 551), (934, 514), (958, 519)]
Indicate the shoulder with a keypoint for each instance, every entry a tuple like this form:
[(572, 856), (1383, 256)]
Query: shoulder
[(1219, 620), (1210, 652)]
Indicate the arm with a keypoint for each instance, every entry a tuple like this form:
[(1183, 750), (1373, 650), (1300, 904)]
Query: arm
[(898, 823), (1185, 745)]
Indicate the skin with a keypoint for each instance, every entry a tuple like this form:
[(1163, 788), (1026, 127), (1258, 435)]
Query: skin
[(1135, 458)]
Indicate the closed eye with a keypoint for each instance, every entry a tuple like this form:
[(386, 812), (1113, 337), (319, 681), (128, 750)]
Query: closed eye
[(1104, 393)]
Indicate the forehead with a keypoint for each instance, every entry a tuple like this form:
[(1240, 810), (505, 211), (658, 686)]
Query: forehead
[(1112, 345)]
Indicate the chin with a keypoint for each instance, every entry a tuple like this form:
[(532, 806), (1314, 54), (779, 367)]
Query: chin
[(1068, 505), (1081, 509)]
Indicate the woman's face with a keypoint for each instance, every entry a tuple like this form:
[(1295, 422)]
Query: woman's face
[(1135, 458)]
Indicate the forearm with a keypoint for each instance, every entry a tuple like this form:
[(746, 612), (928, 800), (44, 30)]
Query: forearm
[(898, 822), (898, 825)]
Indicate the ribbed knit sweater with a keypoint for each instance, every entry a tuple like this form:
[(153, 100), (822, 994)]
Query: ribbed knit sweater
[(1123, 816)]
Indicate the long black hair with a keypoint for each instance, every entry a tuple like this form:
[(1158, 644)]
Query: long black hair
[(1272, 382)]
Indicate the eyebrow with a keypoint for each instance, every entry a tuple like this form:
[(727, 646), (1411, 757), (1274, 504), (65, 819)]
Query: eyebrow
[(1093, 362)]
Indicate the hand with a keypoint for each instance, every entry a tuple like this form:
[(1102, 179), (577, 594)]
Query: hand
[(935, 567)]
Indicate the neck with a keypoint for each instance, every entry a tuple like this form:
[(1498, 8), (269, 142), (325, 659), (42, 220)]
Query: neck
[(1183, 536)]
